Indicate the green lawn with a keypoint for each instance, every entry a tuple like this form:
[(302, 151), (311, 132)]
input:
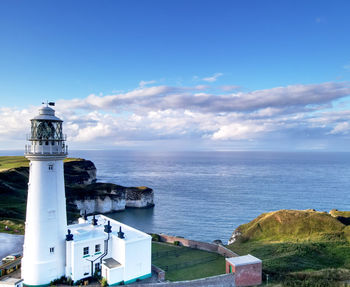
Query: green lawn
[(309, 261), (182, 263), (8, 162)]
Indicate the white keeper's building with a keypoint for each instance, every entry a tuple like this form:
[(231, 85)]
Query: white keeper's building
[(97, 244)]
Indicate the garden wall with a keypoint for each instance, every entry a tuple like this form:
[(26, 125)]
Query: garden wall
[(225, 280), (211, 247)]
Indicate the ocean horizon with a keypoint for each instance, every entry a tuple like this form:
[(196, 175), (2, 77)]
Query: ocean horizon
[(205, 195)]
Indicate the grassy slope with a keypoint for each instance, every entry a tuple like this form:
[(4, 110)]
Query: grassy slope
[(9, 162), (13, 188), (290, 241), (13, 191), (292, 225), (184, 264)]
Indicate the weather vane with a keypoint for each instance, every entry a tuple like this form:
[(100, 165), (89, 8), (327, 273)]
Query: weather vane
[(48, 103)]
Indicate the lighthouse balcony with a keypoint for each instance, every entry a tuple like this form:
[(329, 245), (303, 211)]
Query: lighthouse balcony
[(57, 137), (46, 148)]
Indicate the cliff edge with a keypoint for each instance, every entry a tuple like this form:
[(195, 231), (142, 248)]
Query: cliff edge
[(298, 247), (82, 190), (294, 225)]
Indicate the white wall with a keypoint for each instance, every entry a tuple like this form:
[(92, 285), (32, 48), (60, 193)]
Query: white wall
[(137, 259), (80, 264), (46, 222), (114, 275)]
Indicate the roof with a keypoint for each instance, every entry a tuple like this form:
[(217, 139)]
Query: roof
[(111, 263), (47, 113), (243, 260), (87, 231), (10, 281)]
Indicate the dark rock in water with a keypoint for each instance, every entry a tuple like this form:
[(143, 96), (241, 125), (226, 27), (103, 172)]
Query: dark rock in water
[(139, 197), (218, 241), (79, 172)]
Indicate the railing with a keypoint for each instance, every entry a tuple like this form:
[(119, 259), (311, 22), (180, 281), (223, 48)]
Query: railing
[(29, 138), (46, 150)]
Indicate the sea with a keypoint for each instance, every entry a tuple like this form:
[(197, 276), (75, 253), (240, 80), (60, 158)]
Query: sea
[(206, 195)]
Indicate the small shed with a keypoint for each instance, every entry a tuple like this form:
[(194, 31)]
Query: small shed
[(11, 282), (247, 269)]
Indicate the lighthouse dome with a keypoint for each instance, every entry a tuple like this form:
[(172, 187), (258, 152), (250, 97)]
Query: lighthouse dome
[(47, 113)]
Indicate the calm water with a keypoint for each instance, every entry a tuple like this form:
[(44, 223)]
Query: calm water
[(206, 195)]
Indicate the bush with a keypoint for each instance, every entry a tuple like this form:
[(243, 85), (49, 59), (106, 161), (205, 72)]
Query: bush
[(104, 282), (155, 237), (69, 281), (177, 243)]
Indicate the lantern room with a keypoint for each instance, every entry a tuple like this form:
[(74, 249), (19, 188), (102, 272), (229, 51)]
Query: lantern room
[(46, 135)]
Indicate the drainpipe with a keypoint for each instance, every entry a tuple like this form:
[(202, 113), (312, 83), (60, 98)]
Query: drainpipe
[(108, 230)]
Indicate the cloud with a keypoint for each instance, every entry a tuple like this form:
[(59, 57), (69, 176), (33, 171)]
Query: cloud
[(290, 98), (160, 113), (341, 128), (145, 83), (239, 131), (213, 78), (229, 88)]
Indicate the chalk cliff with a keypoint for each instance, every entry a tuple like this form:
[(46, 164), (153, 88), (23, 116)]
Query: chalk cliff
[(108, 197)]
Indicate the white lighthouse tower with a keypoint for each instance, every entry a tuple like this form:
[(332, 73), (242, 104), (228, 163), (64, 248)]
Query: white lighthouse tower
[(46, 219)]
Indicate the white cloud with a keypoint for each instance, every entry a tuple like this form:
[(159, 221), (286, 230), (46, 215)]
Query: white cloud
[(341, 128), (152, 114), (213, 78), (142, 84), (289, 98), (230, 88), (239, 131)]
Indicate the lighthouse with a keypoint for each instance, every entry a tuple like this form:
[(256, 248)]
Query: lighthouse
[(79, 251), (46, 220)]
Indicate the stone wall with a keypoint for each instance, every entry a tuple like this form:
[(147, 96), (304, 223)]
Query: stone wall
[(160, 273), (225, 280), (211, 247)]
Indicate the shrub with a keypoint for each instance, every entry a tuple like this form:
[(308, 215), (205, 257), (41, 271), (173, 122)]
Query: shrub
[(155, 237), (104, 282), (177, 243)]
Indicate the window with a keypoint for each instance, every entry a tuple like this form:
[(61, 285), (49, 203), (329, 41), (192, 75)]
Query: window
[(86, 251), (97, 267), (50, 166), (52, 249), (51, 214), (97, 247)]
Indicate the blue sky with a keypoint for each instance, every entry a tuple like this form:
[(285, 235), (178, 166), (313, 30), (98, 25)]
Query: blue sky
[(222, 75)]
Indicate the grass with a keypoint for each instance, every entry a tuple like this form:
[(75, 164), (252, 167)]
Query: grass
[(14, 174), (9, 162), (14, 226), (185, 263), (336, 213), (292, 225), (298, 248)]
